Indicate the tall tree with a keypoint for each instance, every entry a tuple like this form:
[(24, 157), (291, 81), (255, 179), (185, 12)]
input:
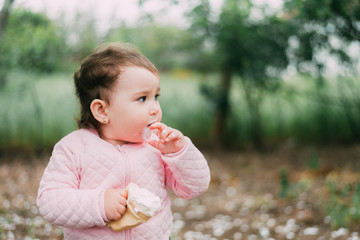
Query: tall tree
[(252, 49)]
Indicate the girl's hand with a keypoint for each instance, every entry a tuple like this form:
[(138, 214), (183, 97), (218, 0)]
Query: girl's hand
[(170, 140), (115, 203)]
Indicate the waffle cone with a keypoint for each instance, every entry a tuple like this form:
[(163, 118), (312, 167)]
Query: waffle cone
[(129, 220)]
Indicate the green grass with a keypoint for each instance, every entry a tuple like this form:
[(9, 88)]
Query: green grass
[(37, 110), (299, 110)]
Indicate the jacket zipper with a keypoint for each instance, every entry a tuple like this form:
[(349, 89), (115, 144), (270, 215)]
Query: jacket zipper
[(127, 169), (127, 165), (127, 181)]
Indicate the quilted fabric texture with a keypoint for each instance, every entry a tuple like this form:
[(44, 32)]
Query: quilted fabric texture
[(83, 166)]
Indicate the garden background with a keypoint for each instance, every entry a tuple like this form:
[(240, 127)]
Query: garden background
[(268, 90)]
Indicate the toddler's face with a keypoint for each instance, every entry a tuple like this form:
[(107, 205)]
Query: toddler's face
[(133, 105)]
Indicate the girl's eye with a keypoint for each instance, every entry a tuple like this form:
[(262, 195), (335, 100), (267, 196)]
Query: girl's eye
[(157, 96), (142, 99)]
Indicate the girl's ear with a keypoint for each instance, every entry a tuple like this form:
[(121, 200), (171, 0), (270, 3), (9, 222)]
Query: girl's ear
[(98, 110)]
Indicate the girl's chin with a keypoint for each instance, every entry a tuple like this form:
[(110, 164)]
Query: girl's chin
[(139, 139), (133, 140)]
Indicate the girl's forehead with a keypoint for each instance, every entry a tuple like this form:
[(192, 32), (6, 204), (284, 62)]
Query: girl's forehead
[(135, 78), (137, 73)]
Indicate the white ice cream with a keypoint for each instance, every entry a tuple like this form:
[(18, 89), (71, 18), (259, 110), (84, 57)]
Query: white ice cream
[(143, 200)]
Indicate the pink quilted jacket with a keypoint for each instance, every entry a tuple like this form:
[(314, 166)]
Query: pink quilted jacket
[(82, 166)]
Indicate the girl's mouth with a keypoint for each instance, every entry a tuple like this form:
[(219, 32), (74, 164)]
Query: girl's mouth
[(151, 122)]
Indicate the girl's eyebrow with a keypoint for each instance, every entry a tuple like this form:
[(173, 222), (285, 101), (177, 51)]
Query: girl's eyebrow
[(145, 91)]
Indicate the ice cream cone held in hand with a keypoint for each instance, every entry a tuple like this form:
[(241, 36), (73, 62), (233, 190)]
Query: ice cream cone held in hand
[(141, 206)]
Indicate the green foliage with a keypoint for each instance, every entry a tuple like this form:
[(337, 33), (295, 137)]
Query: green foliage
[(82, 35), (318, 23), (284, 183), (200, 44), (259, 49), (163, 45), (255, 50), (287, 189), (313, 161), (31, 42), (343, 204)]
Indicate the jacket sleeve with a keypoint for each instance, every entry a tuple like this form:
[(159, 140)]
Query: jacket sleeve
[(60, 201), (187, 172)]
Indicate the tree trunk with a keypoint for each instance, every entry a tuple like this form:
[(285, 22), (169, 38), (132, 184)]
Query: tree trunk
[(256, 128), (222, 108), (4, 16), (253, 104)]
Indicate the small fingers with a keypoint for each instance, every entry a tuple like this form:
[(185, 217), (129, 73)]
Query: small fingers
[(123, 192), (118, 212), (166, 133), (173, 136), (115, 216), (154, 143), (122, 198), (122, 202), (161, 130), (121, 210)]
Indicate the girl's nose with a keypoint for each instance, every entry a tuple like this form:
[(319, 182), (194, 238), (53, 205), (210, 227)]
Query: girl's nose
[(155, 109)]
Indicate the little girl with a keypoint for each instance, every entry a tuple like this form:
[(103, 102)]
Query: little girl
[(83, 186)]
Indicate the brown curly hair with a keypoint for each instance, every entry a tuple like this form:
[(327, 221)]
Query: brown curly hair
[(98, 74)]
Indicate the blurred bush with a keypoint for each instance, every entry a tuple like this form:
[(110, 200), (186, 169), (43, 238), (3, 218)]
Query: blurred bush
[(32, 42)]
